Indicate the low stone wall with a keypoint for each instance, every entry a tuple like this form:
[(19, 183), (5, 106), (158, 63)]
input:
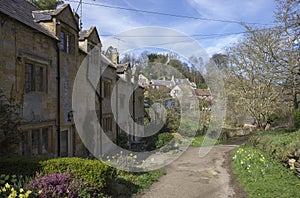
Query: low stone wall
[(242, 131)]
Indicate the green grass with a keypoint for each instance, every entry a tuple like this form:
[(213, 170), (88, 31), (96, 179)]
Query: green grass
[(262, 176), (134, 182), (197, 141)]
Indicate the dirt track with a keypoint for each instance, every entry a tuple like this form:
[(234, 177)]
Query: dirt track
[(194, 176)]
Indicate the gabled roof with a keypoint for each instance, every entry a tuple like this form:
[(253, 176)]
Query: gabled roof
[(108, 62), (46, 15), (84, 34), (21, 10), (121, 68)]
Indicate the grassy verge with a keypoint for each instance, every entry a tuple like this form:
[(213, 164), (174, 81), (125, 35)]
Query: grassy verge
[(198, 141), (126, 184), (263, 176)]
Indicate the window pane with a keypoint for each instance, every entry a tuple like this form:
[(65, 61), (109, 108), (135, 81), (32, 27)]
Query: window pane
[(28, 78), (62, 40), (109, 124), (24, 143), (68, 44), (35, 137), (64, 143), (39, 78), (44, 140), (106, 89)]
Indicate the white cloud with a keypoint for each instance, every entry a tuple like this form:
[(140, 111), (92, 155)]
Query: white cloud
[(112, 21), (230, 9), (219, 45)]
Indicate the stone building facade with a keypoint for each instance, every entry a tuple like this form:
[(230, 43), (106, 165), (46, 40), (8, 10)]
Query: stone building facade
[(41, 52)]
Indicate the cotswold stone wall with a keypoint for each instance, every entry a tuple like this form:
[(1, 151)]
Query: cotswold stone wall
[(20, 45)]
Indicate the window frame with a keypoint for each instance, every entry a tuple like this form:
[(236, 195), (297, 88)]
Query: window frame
[(28, 147), (107, 88), (31, 84), (67, 42), (107, 123)]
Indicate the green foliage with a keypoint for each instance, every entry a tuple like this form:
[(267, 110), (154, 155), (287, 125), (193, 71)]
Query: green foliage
[(16, 181), (145, 180), (297, 118), (122, 140), (163, 139), (202, 86), (262, 176), (26, 166), (133, 183), (272, 118), (172, 121), (9, 122), (92, 171), (47, 4), (10, 191), (197, 141)]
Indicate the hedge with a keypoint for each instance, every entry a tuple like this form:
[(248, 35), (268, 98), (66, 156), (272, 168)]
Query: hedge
[(94, 172), (26, 166)]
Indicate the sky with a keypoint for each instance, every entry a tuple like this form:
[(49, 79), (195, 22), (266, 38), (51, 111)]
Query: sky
[(212, 34)]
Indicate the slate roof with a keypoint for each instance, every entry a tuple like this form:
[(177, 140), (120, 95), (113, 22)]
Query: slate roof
[(21, 10)]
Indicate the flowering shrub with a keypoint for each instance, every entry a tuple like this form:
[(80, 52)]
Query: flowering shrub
[(55, 185), (94, 172)]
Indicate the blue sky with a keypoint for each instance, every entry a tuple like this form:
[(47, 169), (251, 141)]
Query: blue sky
[(113, 21)]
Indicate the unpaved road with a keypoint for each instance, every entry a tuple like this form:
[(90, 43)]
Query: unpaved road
[(194, 176)]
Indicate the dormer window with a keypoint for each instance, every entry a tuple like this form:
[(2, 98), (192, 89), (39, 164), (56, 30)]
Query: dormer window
[(67, 42)]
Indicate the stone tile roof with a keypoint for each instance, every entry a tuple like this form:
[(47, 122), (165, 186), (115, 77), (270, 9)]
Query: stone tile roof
[(83, 34), (167, 83), (202, 92), (42, 15), (121, 68), (21, 10)]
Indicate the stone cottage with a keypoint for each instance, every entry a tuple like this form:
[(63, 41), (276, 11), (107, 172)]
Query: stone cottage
[(41, 51)]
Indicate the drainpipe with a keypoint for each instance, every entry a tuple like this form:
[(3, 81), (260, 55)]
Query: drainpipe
[(100, 106), (117, 112), (58, 99)]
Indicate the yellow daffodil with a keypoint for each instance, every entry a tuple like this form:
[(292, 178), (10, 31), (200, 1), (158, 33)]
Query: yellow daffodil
[(21, 190), (7, 185), (40, 192), (134, 156), (21, 196)]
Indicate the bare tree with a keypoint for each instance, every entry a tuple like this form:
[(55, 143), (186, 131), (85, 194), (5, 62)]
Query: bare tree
[(252, 77)]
